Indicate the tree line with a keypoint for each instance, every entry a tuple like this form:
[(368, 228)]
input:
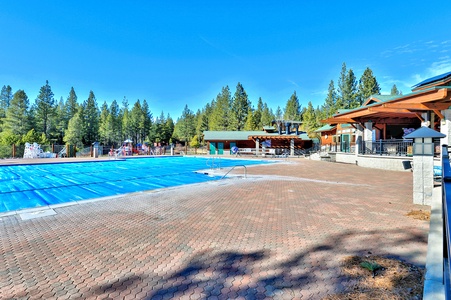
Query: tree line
[(71, 121)]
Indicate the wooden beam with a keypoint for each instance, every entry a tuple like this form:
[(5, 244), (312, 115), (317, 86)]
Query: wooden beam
[(389, 110), (439, 114), (419, 117), (338, 120), (418, 106), (429, 96), (438, 105)]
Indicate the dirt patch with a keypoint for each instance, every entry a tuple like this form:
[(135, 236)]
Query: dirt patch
[(419, 215), (393, 279)]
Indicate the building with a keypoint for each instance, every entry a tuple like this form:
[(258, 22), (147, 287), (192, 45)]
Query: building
[(380, 124), (282, 138)]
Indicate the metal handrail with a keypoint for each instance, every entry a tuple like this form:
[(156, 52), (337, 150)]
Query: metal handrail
[(213, 165), (245, 171), (446, 201)]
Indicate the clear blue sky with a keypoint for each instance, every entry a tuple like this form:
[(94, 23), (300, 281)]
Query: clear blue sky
[(174, 53)]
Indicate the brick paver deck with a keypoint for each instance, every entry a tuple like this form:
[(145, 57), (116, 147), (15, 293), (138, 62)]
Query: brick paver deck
[(279, 234)]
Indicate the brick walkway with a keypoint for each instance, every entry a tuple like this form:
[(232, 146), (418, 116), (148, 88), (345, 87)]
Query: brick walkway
[(279, 234)]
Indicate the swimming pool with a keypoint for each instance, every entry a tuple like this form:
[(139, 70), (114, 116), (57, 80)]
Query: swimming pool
[(38, 185)]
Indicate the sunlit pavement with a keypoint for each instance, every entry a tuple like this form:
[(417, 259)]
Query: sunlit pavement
[(281, 233)]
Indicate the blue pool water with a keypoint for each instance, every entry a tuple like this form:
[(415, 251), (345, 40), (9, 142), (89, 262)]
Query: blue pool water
[(30, 186)]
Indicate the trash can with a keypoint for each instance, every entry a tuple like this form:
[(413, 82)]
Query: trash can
[(95, 150), (407, 164)]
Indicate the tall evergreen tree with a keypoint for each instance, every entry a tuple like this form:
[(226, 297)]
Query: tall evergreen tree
[(252, 120), (394, 91), (115, 123), (137, 123), (219, 119), (267, 115), (71, 104), (239, 109), (351, 91), (279, 114), (341, 91), (45, 109), (347, 89), (17, 117), (330, 106), (90, 119), (105, 128), (258, 113), (74, 133), (168, 129), (309, 119), (368, 86), (292, 109), (6, 96), (202, 123), (185, 128), (125, 117), (61, 121), (147, 120)]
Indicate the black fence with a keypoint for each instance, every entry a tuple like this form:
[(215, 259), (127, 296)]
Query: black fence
[(395, 147)]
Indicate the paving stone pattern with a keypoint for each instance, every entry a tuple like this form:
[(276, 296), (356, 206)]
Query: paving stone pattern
[(279, 234)]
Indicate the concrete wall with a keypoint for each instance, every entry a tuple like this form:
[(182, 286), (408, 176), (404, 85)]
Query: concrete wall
[(394, 163)]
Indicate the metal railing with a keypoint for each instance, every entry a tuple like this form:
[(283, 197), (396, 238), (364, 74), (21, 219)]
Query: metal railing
[(214, 162), (245, 171), (446, 202), (395, 147)]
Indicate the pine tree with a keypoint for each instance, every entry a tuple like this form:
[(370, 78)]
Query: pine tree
[(185, 128), (394, 91), (341, 99), (147, 120), (330, 106), (368, 86), (74, 132), (278, 113), (137, 123), (5, 99), (267, 115), (351, 95), (347, 89), (115, 124), (258, 114), (105, 125), (252, 120), (125, 118), (61, 121), (45, 109), (202, 123), (90, 120), (309, 119), (17, 117), (292, 109), (219, 119), (239, 109), (71, 104), (168, 129)]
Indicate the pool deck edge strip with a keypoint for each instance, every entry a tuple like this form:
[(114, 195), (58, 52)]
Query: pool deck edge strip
[(37, 214)]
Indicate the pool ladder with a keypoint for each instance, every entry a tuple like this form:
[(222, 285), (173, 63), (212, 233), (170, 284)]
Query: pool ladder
[(213, 164), (245, 171)]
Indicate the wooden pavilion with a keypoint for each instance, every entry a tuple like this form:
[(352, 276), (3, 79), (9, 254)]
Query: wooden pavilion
[(384, 117)]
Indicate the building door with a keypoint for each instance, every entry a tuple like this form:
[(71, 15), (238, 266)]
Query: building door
[(345, 142), (220, 148), (212, 148)]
